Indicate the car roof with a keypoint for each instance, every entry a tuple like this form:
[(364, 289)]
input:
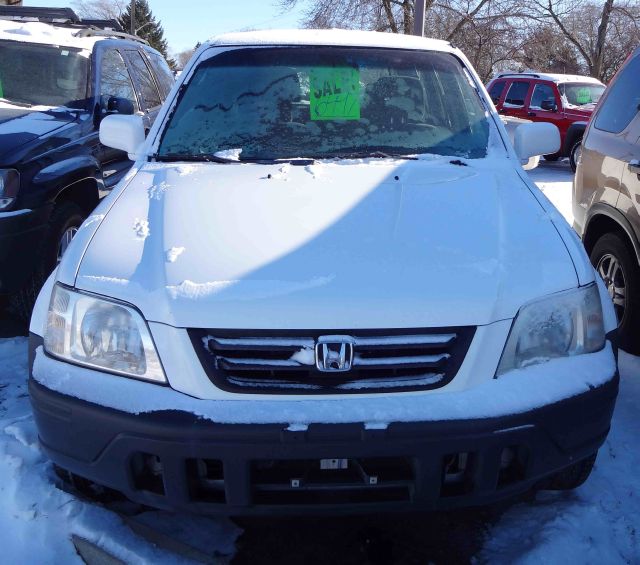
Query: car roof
[(552, 77), (62, 36), (330, 37)]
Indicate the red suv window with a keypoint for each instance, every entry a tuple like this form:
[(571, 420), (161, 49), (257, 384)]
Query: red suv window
[(496, 90), (517, 93)]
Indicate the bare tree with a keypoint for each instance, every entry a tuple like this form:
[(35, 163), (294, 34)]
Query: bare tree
[(100, 9), (601, 33)]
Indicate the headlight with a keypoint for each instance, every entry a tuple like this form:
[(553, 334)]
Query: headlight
[(9, 185), (560, 325), (100, 334)]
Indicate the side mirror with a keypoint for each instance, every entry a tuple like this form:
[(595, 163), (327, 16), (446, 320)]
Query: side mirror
[(537, 138), (117, 105), (122, 132), (549, 106)]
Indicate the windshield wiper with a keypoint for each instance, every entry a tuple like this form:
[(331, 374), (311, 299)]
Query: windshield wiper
[(373, 155), (296, 161), (172, 157)]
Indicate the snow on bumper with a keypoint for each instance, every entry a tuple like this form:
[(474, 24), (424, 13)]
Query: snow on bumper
[(513, 393)]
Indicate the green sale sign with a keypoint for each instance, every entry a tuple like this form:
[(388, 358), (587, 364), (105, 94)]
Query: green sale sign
[(335, 93)]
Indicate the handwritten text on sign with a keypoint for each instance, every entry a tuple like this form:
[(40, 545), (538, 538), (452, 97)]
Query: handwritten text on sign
[(335, 93)]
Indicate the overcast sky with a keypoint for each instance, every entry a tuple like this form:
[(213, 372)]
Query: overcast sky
[(186, 22)]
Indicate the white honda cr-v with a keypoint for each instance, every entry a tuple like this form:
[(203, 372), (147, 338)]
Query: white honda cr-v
[(326, 284)]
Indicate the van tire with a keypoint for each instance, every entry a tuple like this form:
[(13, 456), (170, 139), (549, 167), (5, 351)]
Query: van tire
[(612, 244), (574, 476), (64, 216)]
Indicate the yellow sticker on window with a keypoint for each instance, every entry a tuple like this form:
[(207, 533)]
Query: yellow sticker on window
[(335, 93), (583, 96)]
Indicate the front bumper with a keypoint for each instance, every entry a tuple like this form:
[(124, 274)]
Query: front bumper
[(174, 460), (21, 238)]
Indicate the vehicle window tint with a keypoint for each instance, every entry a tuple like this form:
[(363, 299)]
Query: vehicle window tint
[(517, 93), (163, 73), (622, 102), (149, 91), (496, 90), (542, 93), (115, 79)]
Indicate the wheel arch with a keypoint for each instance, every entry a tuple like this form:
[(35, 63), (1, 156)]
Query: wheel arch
[(83, 192), (604, 219), (574, 133)]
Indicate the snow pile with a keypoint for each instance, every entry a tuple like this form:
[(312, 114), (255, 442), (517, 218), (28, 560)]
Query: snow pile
[(244, 289), (37, 520), (45, 34), (232, 154), (141, 227), (174, 253)]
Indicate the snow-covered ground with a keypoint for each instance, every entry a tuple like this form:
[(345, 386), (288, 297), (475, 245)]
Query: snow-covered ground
[(597, 523)]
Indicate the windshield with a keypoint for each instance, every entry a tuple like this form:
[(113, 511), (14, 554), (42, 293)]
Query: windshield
[(42, 75), (324, 102), (578, 94)]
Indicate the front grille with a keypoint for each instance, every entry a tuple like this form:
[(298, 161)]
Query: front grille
[(269, 362)]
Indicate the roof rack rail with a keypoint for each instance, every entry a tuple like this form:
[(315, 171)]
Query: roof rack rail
[(46, 15), (93, 32), (68, 18), (113, 25), (521, 73)]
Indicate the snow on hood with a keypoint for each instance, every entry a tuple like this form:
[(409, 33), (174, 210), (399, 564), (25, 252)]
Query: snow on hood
[(379, 244)]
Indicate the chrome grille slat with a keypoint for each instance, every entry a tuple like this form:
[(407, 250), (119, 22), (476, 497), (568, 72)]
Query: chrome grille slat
[(258, 364), (284, 362), (405, 341), (400, 362), (260, 343)]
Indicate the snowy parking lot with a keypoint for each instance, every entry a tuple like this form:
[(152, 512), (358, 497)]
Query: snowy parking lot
[(597, 523)]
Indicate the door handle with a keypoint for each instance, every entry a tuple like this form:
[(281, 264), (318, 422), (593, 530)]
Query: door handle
[(502, 111), (634, 166), (531, 114)]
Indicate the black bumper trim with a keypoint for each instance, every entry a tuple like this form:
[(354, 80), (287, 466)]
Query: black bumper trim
[(107, 447)]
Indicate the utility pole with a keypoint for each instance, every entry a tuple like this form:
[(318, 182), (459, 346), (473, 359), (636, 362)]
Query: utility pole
[(419, 17), (133, 17)]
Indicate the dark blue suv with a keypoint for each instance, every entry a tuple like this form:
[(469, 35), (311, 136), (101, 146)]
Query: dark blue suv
[(59, 77)]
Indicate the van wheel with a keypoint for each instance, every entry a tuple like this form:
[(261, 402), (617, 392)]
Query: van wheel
[(64, 223), (619, 269), (552, 157), (574, 476), (574, 155)]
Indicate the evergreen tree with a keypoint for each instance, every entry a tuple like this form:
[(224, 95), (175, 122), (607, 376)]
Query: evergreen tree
[(146, 27)]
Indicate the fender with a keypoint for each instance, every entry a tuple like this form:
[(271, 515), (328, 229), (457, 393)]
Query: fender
[(601, 209), (56, 177)]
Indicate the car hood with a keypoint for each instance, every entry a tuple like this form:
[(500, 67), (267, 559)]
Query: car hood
[(375, 244), (19, 126)]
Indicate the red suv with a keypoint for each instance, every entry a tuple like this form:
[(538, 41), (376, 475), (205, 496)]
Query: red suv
[(566, 101)]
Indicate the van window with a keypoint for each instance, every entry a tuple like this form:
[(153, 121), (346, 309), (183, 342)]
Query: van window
[(326, 102), (623, 100)]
